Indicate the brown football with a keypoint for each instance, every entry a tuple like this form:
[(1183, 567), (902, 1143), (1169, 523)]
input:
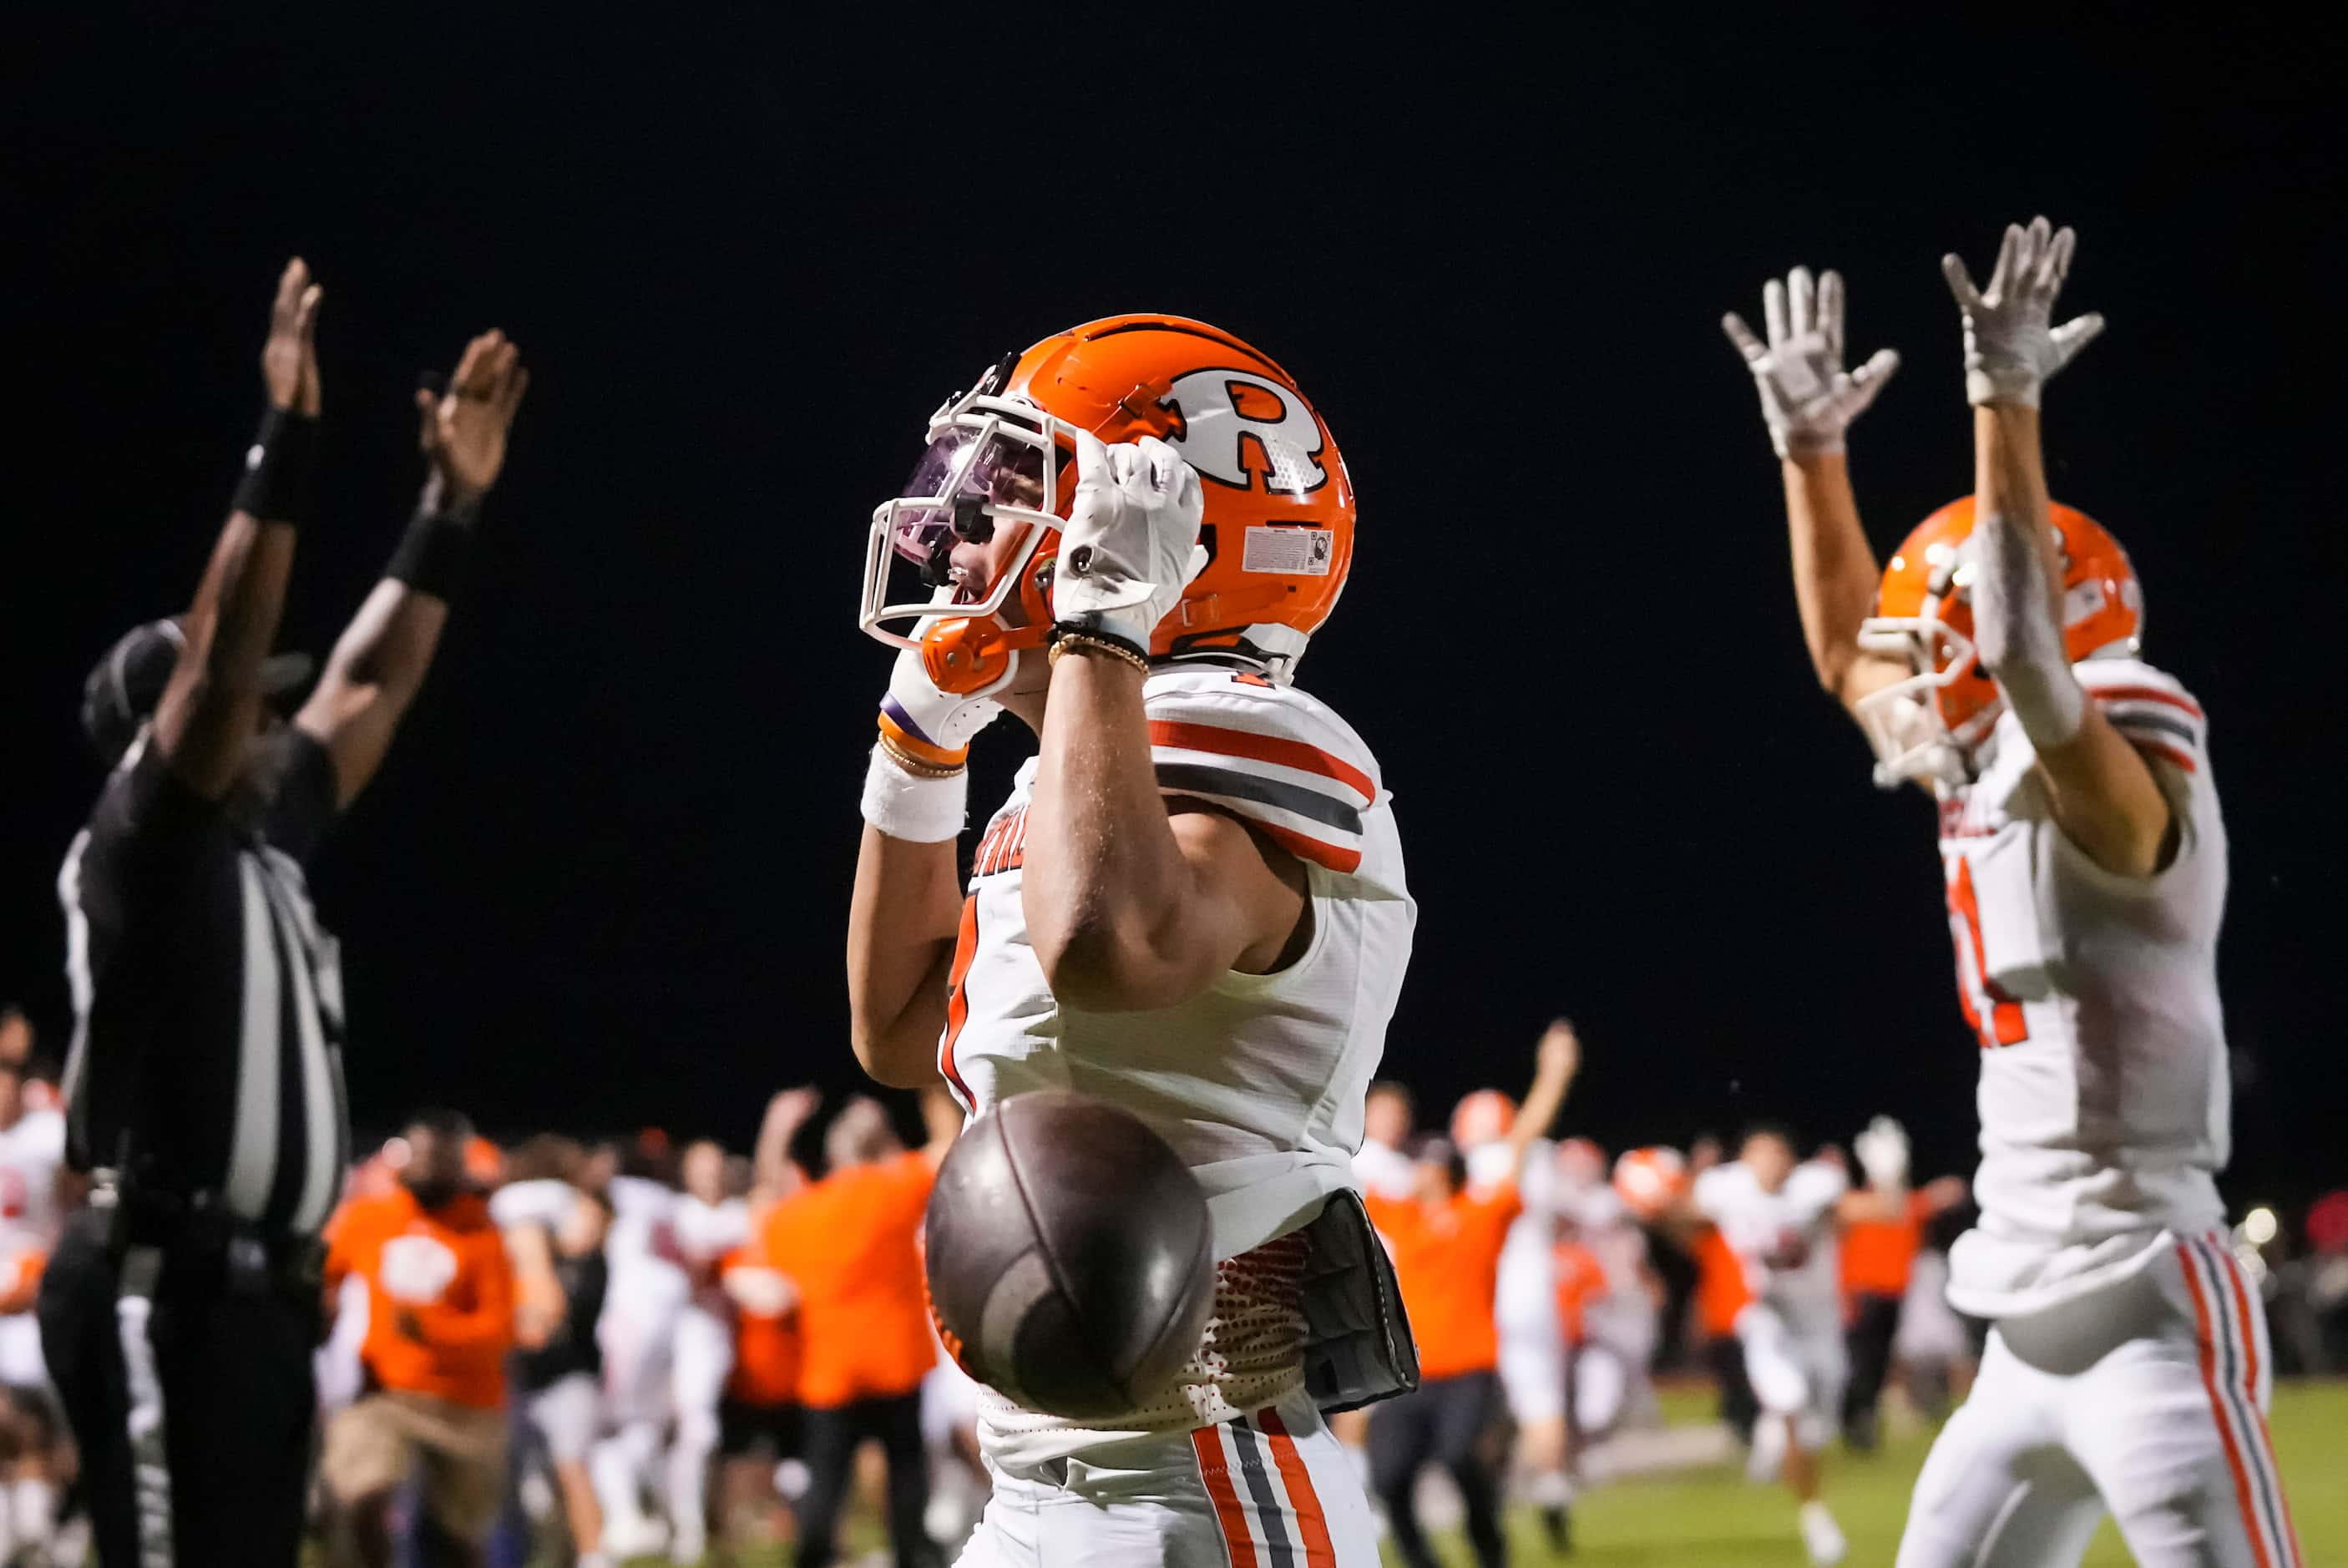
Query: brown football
[(1071, 1265)]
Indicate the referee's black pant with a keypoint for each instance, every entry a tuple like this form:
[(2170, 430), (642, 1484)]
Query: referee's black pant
[(192, 1401), (1443, 1419)]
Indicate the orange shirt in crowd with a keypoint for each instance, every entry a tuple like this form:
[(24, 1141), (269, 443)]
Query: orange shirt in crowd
[(765, 1344), (1448, 1264), (1877, 1256), (1580, 1280), (1721, 1287), (851, 1243), (440, 1294)]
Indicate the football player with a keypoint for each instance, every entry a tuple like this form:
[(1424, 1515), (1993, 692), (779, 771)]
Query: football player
[(1777, 1217), (643, 1301), (2084, 861), (1192, 904)]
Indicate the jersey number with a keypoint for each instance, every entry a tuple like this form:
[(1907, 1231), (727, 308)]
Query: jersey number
[(1996, 1017), (958, 1003)]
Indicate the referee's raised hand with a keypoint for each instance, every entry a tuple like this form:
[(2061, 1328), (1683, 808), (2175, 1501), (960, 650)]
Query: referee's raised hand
[(463, 432), (289, 360)]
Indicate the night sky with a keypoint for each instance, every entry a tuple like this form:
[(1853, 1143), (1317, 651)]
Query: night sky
[(603, 881)]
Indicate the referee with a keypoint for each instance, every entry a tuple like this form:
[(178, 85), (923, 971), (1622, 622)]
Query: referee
[(204, 1087)]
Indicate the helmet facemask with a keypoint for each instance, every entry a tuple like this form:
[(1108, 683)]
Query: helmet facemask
[(993, 464), (1925, 726)]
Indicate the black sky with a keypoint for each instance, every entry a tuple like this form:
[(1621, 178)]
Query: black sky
[(603, 882)]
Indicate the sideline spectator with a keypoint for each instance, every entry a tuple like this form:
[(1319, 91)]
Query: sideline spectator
[(440, 1318), (1447, 1244), (851, 1243)]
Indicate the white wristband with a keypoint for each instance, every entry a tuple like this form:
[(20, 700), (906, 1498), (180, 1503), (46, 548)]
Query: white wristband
[(918, 811)]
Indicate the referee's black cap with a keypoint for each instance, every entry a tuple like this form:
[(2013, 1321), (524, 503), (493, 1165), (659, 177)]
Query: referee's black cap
[(124, 686)]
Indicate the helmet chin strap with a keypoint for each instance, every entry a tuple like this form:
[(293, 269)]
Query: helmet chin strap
[(975, 655)]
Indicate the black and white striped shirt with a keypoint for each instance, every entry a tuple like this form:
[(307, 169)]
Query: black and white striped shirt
[(207, 1052)]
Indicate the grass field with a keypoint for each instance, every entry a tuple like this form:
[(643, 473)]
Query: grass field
[(1714, 1517)]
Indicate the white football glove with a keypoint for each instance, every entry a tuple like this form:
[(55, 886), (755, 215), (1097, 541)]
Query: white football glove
[(917, 789), (1882, 1152), (935, 726), (2010, 348), (1808, 398), (1131, 544)]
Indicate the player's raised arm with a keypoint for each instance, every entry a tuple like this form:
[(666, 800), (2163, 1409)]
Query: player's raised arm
[(2104, 794), (1808, 401), (212, 705), (1128, 908), (378, 665), (1555, 1061)]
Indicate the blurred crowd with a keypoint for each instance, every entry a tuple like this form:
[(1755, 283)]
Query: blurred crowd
[(584, 1350)]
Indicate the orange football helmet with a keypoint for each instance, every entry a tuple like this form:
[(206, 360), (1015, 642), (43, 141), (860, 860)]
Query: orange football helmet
[(1278, 526), (1484, 1117), (1926, 726), (1650, 1180)]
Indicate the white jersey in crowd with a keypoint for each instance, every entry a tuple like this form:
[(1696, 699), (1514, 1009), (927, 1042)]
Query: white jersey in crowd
[(542, 1200), (706, 1232), (1525, 1294), (1258, 1082), (1382, 1171), (640, 1246), (1784, 1239), (31, 1152), (2103, 1093)]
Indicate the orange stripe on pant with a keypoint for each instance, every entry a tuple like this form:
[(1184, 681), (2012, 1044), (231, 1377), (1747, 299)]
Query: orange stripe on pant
[(1302, 1500), (2206, 1335), (2251, 1395), (1207, 1442)]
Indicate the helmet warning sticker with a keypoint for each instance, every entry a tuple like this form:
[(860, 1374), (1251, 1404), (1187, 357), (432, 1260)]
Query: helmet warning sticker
[(1299, 552)]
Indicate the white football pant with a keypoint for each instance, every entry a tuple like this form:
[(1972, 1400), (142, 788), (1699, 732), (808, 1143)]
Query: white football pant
[(2148, 1397), (1797, 1369), (1273, 1487)]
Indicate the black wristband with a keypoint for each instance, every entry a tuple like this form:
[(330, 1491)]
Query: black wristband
[(432, 553), (281, 470)]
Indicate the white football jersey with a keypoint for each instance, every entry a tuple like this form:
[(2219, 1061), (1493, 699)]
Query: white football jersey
[(2103, 1093), (31, 1152), (1525, 1294), (1259, 1081), (640, 1247), (542, 1200), (706, 1232), (1784, 1239)]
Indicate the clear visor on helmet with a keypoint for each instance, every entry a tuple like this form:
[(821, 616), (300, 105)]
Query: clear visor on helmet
[(990, 465)]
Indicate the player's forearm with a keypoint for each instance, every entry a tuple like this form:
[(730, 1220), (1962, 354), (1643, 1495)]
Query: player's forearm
[(2017, 614), (901, 921), (1835, 572), (1107, 893)]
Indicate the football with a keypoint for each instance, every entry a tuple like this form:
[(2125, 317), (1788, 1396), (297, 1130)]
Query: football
[(1070, 1263)]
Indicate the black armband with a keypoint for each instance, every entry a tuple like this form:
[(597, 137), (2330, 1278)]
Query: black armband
[(281, 470), (432, 553)]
